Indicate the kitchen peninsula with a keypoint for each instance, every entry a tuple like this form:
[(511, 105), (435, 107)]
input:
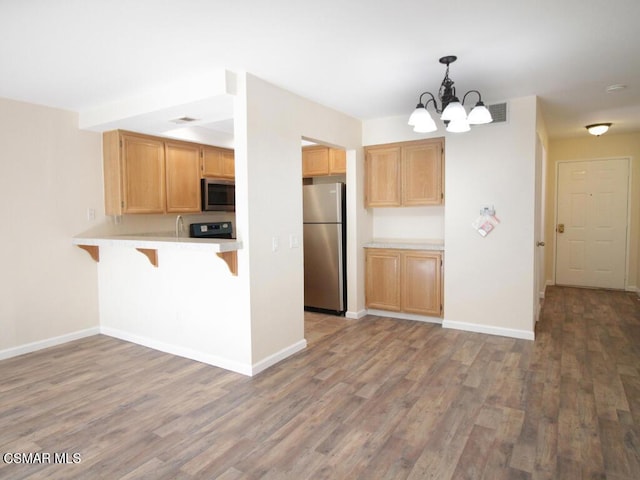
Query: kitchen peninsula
[(149, 243), (172, 294)]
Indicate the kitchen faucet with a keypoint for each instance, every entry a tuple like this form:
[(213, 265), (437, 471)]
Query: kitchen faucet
[(179, 225)]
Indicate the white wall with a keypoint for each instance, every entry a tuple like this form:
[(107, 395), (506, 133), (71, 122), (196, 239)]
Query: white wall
[(50, 174), (268, 128), (488, 281)]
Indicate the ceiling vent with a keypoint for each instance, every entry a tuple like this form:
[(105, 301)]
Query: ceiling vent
[(498, 112), (182, 120)]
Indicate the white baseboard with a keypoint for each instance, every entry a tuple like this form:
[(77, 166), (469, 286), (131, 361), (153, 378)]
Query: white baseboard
[(49, 342), (404, 316), (491, 330), (214, 360), (355, 315), (278, 356), (244, 369), (633, 288)]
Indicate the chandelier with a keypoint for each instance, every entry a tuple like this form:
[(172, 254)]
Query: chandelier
[(451, 110)]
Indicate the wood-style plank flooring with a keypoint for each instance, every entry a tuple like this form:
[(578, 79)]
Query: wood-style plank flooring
[(375, 398)]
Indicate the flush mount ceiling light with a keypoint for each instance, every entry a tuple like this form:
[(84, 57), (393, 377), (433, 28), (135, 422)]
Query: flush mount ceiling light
[(451, 110), (598, 129)]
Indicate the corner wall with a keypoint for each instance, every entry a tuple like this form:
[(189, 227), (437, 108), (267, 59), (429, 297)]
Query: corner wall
[(269, 126), (50, 174)]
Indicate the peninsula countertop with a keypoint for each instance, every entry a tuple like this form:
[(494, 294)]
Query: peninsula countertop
[(406, 244), (159, 240)]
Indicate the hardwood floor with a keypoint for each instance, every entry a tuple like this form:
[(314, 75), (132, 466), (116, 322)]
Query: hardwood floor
[(375, 398)]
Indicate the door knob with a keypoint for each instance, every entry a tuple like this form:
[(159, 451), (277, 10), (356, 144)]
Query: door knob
[(539, 244), (560, 228)]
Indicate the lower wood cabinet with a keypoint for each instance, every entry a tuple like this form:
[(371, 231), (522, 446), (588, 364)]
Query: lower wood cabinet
[(404, 281)]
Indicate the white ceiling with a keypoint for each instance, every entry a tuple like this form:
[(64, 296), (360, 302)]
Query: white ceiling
[(366, 59)]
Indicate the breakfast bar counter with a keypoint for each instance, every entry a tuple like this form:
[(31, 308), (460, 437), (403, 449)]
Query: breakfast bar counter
[(149, 244)]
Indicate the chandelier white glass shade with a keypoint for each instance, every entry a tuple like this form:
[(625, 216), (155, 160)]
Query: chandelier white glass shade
[(451, 109), (598, 129)]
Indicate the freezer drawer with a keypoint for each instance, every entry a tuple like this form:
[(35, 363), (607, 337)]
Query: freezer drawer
[(323, 266)]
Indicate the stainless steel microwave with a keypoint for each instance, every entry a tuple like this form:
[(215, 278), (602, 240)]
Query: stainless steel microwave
[(218, 195)]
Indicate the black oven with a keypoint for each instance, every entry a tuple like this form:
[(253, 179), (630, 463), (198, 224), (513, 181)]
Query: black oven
[(218, 195)]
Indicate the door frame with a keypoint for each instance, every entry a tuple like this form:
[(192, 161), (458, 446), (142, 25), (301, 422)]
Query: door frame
[(555, 210), (540, 279)]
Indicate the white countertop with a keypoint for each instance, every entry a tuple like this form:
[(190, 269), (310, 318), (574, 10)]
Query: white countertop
[(159, 240), (426, 244)]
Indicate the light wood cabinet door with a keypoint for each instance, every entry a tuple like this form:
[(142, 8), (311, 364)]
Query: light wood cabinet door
[(218, 163), (182, 177), (400, 280), (422, 174), (228, 164), (143, 174), (405, 174), (421, 283), (337, 161), (383, 175), (315, 161), (382, 287)]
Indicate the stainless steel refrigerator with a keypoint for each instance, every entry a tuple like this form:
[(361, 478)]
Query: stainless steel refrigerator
[(324, 247)]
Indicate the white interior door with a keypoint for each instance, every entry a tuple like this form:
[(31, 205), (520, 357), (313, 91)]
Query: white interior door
[(591, 229)]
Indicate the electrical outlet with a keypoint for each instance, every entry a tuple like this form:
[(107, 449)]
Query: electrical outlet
[(91, 214), (294, 242), (274, 244)]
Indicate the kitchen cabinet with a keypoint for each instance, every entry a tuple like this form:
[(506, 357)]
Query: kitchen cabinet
[(319, 161), (218, 162), (337, 161), (405, 174), (146, 174), (382, 280), (182, 177), (134, 173), (407, 281)]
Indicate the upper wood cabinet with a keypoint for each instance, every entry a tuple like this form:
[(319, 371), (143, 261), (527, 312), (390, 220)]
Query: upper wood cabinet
[(337, 161), (404, 280), (318, 160), (182, 177), (134, 173), (145, 174), (218, 162), (405, 174), (383, 178)]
